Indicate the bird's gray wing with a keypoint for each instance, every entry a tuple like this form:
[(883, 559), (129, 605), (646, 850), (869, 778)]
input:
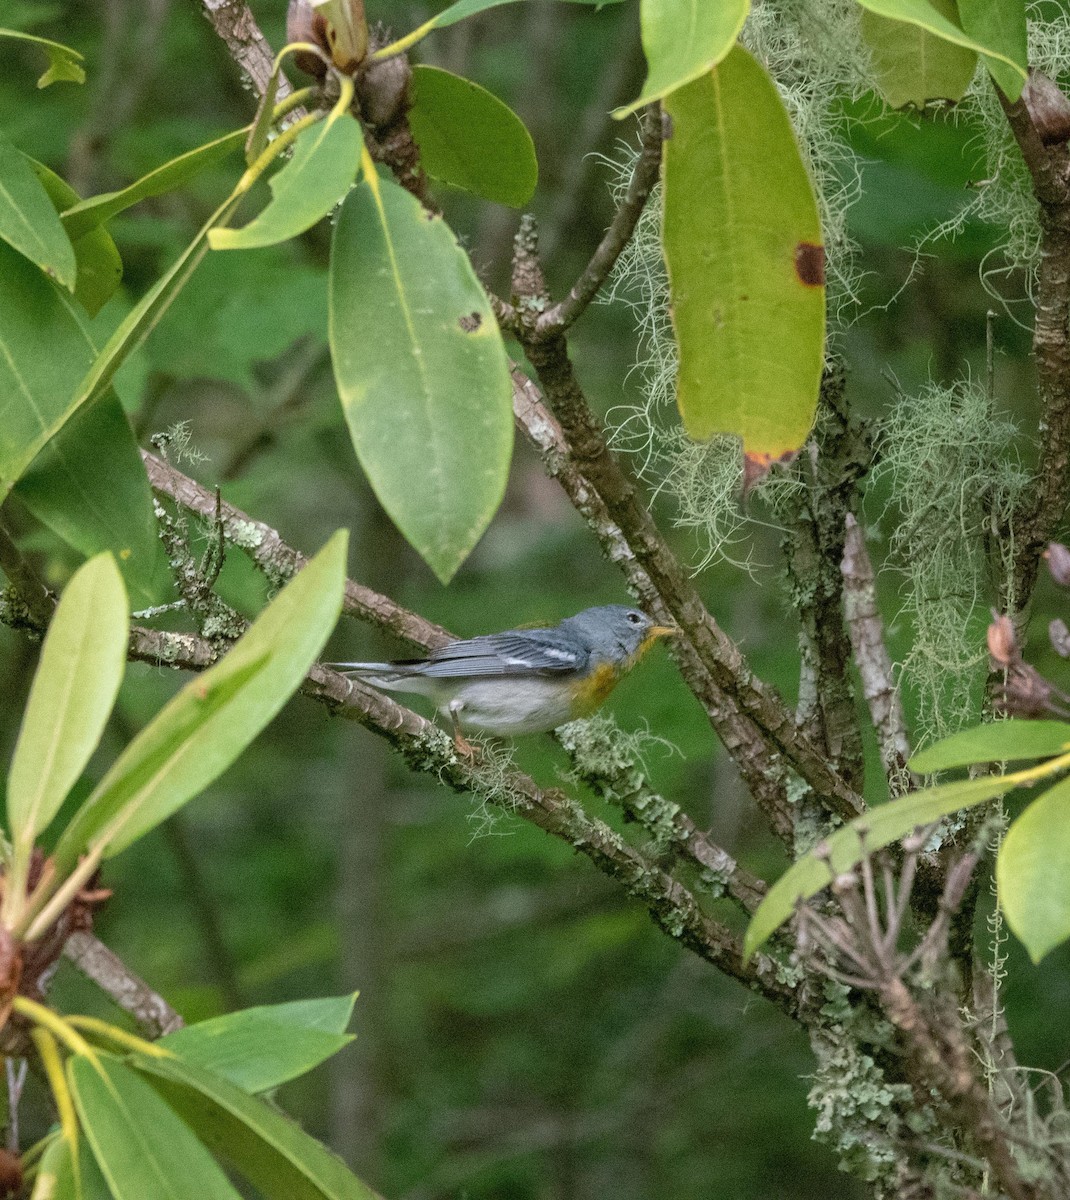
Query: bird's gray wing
[(523, 652)]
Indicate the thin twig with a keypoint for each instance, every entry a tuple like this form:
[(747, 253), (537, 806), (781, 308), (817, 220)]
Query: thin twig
[(866, 630), (131, 993), (565, 312), (245, 41)]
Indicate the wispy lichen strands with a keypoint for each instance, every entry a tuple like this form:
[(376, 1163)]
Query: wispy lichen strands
[(953, 480)]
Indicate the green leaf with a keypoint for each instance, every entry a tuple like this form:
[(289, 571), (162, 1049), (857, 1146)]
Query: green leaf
[(1033, 869), (467, 137), (319, 173), (90, 484), (743, 248), (56, 1179), (29, 222), (683, 39), (135, 327), (193, 740), (469, 8), (421, 371), (73, 691), (1000, 24), (875, 829), (84, 215), (99, 266), (999, 741), (142, 1148), (277, 1157), (913, 66), (64, 64), (928, 17), (261, 1048)]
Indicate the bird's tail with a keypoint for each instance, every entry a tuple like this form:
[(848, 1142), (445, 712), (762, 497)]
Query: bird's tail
[(380, 674)]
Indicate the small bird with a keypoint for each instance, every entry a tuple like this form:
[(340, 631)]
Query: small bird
[(523, 680)]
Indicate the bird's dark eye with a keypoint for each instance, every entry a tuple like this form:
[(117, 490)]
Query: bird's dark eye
[(635, 618)]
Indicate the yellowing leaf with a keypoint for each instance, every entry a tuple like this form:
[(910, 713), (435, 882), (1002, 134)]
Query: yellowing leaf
[(743, 248)]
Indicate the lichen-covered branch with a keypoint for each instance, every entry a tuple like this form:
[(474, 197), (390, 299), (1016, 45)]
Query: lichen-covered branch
[(866, 630), (733, 690), (280, 562), (605, 759), (829, 468), (766, 776), (1049, 168)]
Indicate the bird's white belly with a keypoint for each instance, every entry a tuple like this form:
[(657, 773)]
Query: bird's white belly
[(510, 706)]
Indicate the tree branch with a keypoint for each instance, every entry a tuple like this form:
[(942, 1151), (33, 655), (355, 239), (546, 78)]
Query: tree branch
[(1049, 168), (561, 315), (280, 562), (245, 41), (871, 657), (727, 686), (108, 971)]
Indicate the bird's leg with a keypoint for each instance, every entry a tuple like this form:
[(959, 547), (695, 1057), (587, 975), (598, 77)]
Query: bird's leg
[(462, 744)]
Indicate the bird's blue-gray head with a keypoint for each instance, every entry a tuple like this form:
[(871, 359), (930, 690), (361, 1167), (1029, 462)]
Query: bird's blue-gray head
[(615, 632)]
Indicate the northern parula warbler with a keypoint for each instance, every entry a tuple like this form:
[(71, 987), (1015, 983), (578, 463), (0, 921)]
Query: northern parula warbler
[(523, 680)]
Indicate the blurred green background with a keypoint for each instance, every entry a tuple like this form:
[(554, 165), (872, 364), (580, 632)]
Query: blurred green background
[(523, 1030)]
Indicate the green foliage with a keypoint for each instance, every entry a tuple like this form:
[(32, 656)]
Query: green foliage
[(421, 371), (914, 66), (1001, 25), (45, 350), (1032, 872), (1001, 741), (926, 15), (77, 680), (84, 215), (142, 1147), (258, 1049), (318, 174), (28, 221), (468, 138), (736, 263), (683, 39), (64, 64), (211, 721), (99, 268)]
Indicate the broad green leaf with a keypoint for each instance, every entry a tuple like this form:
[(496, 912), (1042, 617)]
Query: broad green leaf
[(261, 1048), (683, 39), (421, 371), (913, 66), (99, 267), (64, 64), (877, 828), (74, 688), (1000, 741), (142, 1148), (135, 327), (277, 1157), (28, 220), (926, 15), (1000, 24), (90, 484), (746, 265), (1033, 872), (84, 215), (319, 173), (56, 1179), (193, 740), (467, 137)]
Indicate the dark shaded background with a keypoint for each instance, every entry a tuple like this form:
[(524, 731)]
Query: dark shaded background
[(523, 1030)]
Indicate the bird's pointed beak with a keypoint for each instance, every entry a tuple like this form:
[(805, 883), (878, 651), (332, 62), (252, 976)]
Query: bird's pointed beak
[(660, 631)]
